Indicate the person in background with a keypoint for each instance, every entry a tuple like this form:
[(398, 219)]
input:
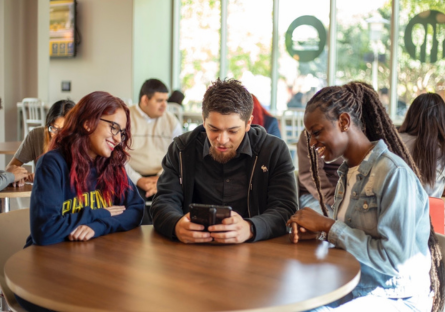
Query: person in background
[(328, 178), (81, 189), (176, 97), (423, 131), (381, 212), (153, 130), (12, 174), (384, 98), (37, 141), (226, 161), (296, 101), (263, 118)]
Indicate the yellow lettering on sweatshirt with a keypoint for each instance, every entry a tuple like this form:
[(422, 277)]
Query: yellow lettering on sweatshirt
[(66, 206), (93, 199)]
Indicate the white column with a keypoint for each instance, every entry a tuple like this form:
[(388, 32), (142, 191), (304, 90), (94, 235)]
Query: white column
[(223, 49), (394, 58), (275, 53), (176, 53), (43, 50), (2, 81), (332, 43), (375, 65)]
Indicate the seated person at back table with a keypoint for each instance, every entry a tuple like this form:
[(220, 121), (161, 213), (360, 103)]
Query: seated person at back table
[(12, 174), (381, 212), (327, 171), (37, 141), (153, 129), (263, 118), (176, 97), (226, 161), (423, 132)]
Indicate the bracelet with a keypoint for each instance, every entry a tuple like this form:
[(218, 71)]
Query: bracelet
[(322, 236)]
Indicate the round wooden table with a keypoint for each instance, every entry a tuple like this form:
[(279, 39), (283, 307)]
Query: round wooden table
[(15, 192), (140, 270)]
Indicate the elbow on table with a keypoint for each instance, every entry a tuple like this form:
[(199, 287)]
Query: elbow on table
[(42, 238)]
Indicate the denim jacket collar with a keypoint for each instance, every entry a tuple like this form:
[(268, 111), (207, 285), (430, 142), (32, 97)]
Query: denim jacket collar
[(366, 165)]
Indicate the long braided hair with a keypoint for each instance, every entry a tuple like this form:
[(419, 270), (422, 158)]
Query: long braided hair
[(362, 103)]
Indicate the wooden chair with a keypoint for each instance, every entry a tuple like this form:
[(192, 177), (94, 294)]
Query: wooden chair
[(14, 229), (33, 114), (437, 213)]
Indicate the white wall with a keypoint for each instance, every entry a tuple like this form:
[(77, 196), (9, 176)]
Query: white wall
[(152, 42), (19, 57), (104, 57), (124, 42)]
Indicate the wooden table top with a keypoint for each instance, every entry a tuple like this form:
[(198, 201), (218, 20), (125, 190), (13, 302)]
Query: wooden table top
[(140, 270), (15, 192), (9, 148)]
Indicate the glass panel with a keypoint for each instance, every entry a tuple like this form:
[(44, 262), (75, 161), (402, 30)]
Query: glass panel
[(302, 28), (249, 45), (199, 43), (363, 43), (421, 50)]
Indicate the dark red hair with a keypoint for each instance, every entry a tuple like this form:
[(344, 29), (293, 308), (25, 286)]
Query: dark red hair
[(258, 112), (74, 143)]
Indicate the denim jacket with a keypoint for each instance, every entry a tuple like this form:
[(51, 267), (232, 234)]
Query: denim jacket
[(386, 226)]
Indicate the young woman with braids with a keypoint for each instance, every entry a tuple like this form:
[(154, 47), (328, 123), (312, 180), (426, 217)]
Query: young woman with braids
[(423, 131), (381, 212)]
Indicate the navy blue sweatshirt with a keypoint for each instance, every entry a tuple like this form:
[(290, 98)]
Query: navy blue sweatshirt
[(56, 210)]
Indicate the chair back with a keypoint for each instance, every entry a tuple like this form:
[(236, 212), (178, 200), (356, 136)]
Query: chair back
[(441, 241), (176, 110), (14, 229), (437, 214), (292, 124), (33, 114)]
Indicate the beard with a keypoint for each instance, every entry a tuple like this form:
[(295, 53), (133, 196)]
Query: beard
[(222, 158)]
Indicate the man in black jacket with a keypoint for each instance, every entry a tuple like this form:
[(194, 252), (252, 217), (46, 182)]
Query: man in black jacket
[(226, 161)]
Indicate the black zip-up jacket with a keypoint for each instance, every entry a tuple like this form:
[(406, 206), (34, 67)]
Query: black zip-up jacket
[(271, 193)]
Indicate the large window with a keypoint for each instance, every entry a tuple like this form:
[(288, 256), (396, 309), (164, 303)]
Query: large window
[(199, 43), (249, 45), (280, 49), (363, 44), (302, 45), (421, 53)]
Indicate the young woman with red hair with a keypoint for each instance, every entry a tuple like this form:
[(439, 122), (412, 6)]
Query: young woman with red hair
[(263, 118), (81, 189)]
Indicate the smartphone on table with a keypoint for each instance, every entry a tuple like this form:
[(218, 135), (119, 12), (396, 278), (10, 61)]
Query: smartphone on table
[(208, 215)]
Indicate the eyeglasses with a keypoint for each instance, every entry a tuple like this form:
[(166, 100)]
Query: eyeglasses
[(53, 129), (115, 129)]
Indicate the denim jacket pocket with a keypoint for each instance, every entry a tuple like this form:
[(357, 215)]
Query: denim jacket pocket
[(365, 213)]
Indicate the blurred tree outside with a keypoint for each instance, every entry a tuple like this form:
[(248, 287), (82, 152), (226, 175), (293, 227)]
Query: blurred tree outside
[(415, 77), (200, 45)]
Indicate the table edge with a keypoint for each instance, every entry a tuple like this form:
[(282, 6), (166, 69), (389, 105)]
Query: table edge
[(292, 307)]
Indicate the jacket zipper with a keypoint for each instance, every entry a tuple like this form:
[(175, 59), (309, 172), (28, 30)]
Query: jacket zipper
[(180, 165), (250, 187)]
